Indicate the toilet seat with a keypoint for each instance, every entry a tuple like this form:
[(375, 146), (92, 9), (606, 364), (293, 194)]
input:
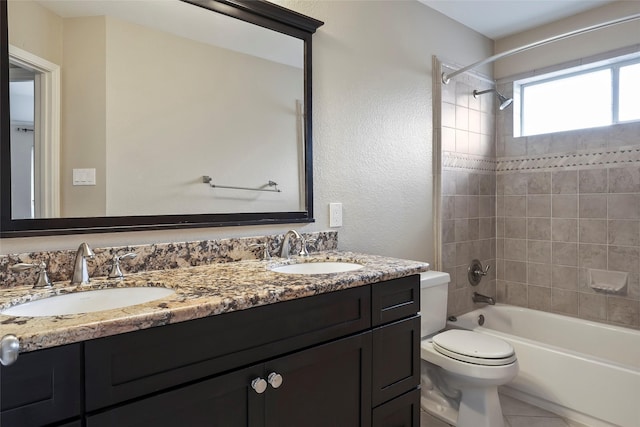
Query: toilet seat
[(472, 347)]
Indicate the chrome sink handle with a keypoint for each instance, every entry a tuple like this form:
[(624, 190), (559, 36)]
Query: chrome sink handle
[(9, 349), (266, 256), (116, 272), (41, 268)]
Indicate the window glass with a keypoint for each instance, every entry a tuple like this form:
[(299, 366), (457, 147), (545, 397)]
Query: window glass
[(629, 103), (575, 102)]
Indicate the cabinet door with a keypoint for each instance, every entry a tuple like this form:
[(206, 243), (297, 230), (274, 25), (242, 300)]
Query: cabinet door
[(41, 387), (328, 385), (403, 411), (396, 359), (225, 401)]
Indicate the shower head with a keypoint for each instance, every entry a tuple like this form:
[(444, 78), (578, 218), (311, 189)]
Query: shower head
[(504, 101)]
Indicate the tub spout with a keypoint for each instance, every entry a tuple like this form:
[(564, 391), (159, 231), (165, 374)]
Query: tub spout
[(483, 298)]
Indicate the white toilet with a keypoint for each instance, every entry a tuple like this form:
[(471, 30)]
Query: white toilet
[(461, 370)]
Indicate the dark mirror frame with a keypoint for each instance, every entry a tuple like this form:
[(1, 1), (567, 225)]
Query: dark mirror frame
[(257, 12)]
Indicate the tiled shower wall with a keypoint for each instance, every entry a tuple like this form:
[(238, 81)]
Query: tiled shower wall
[(468, 187), (566, 203)]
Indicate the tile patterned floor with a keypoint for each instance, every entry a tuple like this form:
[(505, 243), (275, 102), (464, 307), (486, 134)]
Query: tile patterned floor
[(516, 414)]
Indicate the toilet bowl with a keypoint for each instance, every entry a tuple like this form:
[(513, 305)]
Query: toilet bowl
[(461, 370)]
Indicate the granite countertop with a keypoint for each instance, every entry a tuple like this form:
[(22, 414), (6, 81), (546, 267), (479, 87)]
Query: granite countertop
[(199, 292)]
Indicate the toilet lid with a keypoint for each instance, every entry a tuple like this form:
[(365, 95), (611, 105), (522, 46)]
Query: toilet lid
[(473, 347)]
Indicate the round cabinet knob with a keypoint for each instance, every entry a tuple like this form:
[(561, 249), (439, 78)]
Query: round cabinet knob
[(275, 380), (259, 385), (9, 349)]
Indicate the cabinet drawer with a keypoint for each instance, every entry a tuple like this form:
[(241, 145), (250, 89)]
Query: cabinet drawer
[(130, 365), (41, 387), (395, 299), (403, 411), (396, 359)]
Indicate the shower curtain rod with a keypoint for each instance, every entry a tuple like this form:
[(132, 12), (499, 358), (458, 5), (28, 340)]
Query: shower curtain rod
[(447, 77)]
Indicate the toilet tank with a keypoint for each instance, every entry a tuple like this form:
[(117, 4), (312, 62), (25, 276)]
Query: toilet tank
[(434, 290)]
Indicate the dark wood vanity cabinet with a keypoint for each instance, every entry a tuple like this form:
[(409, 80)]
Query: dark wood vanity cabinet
[(42, 387), (345, 358)]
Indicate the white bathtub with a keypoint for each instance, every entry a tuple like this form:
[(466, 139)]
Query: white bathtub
[(585, 371)]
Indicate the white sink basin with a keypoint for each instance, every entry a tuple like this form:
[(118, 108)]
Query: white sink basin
[(317, 268), (87, 301)]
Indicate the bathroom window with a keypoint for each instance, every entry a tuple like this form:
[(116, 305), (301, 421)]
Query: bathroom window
[(579, 99)]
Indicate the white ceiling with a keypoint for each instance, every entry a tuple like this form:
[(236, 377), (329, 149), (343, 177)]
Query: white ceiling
[(500, 18)]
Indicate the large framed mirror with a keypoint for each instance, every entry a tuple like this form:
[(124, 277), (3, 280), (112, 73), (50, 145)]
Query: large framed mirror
[(145, 114)]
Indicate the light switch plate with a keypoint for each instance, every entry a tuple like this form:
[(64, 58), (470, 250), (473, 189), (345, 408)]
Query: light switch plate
[(335, 214), (84, 176)]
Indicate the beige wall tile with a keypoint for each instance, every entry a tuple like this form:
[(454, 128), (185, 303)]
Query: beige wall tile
[(448, 231), (539, 274), (539, 228), (448, 207), (487, 185), (592, 306), (564, 230), (626, 233), (564, 206), (624, 180), (462, 183), (540, 183), (539, 298), (539, 206), (564, 182), (515, 228), (461, 230), (516, 294), (592, 206), (474, 184), (515, 206), (515, 249), (564, 277), (539, 251), (592, 256), (461, 207), (516, 184), (592, 181), (515, 271), (564, 301), (593, 231), (624, 206), (623, 311), (473, 206), (564, 253), (624, 258)]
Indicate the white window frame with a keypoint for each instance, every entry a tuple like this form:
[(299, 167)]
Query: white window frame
[(613, 64)]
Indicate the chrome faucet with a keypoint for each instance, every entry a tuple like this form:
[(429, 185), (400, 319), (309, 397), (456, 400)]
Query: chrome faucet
[(483, 298), (80, 270), (284, 251)]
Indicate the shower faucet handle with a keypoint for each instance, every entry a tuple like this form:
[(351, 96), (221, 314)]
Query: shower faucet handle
[(476, 272)]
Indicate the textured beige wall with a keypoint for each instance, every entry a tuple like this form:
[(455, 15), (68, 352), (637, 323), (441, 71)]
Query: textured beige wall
[(372, 128), (83, 124), (35, 29), (573, 48)]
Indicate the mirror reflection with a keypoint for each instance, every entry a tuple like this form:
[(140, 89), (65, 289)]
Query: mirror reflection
[(120, 108)]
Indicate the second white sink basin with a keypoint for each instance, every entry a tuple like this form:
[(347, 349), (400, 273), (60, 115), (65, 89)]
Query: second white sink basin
[(87, 301), (317, 268)]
